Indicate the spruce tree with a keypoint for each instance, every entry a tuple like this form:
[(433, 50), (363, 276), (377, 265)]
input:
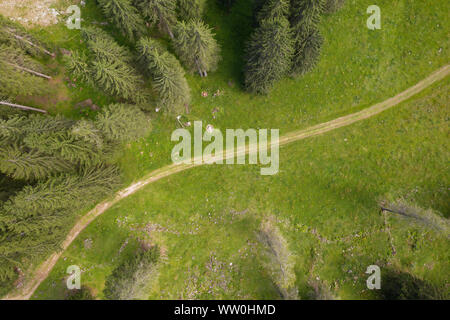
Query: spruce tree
[(166, 73), (60, 193), (307, 53), (274, 9), (77, 66), (35, 221), (196, 47), (104, 49), (102, 45), (86, 130), (18, 163), (65, 146), (269, 54), (118, 79), (122, 14), (159, 12), (305, 18), (121, 122), (11, 129)]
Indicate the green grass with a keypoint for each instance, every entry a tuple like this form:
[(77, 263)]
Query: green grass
[(330, 183), (326, 183)]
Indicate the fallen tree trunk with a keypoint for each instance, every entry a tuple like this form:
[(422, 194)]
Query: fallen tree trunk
[(11, 31), (5, 103), (30, 71)]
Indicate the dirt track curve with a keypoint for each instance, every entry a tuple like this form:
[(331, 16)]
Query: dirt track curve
[(44, 269)]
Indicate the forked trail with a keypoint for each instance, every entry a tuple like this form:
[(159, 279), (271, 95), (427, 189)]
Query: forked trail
[(44, 269)]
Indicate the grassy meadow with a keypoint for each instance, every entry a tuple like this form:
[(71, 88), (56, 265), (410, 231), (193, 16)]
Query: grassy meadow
[(325, 199)]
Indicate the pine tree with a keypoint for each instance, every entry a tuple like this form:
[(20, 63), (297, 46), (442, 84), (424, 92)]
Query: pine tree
[(65, 146), (35, 220), (18, 163), (11, 130), (109, 50), (121, 122), (92, 33), (77, 66), (103, 46), (269, 54), (122, 14), (274, 9), (118, 79), (60, 193), (195, 45), (45, 124), (305, 19), (308, 53), (85, 130), (160, 12), (166, 73), (190, 9), (305, 16)]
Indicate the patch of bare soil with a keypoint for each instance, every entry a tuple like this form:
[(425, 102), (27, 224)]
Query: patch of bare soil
[(30, 12)]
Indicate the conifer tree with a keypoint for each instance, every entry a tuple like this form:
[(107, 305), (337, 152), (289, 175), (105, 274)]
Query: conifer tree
[(121, 122), (86, 131), (35, 220), (269, 54), (18, 163), (118, 79), (60, 192), (77, 66), (122, 14), (196, 47), (274, 9), (65, 146), (104, 49), (308, 53), (305, 18), (103, 45), (190, 9), (45, 124), (11, 129), (159, 12), (166, 73)]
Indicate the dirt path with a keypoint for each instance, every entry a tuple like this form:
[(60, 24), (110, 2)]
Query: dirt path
[(44, 269)]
